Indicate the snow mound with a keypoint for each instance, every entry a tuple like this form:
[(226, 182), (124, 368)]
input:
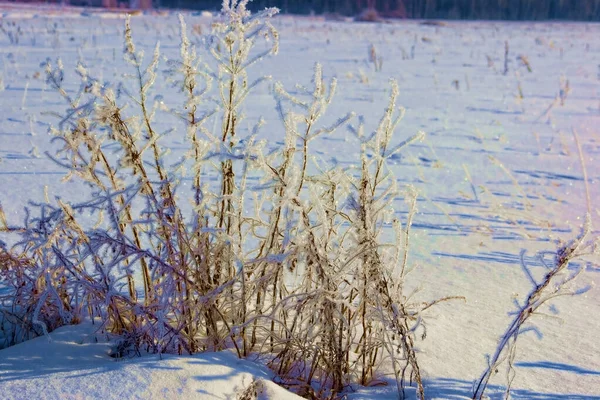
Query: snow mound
[(73, 362)]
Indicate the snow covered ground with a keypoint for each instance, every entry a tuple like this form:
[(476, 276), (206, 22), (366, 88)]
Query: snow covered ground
[(497, 174)]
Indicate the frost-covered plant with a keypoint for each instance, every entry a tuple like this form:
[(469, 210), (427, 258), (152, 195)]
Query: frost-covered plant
[(375, 59), (558, 281), (293, 267)]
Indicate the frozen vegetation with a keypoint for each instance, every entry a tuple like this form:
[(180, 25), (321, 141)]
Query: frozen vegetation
[(262, 206)]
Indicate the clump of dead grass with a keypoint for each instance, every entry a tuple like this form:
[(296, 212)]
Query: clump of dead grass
[(299, 276)]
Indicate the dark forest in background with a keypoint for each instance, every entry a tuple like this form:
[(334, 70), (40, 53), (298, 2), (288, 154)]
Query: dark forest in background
[(582, 10)]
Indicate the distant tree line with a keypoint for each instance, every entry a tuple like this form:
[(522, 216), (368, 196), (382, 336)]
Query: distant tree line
[(582, 10)]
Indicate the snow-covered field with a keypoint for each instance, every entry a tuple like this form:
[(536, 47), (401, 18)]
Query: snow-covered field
[(498, 173)]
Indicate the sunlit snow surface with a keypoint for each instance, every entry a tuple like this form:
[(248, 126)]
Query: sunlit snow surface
[(473, 220)]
